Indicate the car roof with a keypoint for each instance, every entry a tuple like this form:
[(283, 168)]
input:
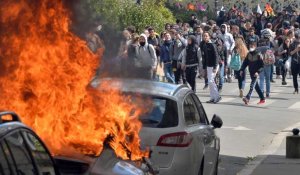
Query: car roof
[(10, 126), (139, 86)]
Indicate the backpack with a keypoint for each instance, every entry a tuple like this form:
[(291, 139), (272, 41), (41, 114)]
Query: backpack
[(269, 57), (235, 62)]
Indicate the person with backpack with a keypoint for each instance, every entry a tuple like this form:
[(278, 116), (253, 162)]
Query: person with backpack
[(255, 63), (265, 48), (146, 58), (165, 58), (177, 46), (222, 51), (210, 63), (295, 66), (191, 56), (239, 54)]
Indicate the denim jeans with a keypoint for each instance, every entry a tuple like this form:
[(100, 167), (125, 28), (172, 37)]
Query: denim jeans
[(241, 79), (221, 75), (255, 85), (168, 71), (265, 75)]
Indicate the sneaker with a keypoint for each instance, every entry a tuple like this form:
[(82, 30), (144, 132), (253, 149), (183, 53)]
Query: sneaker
[(261, 102), (246, 100), (205, 87), (241, 93), (268, 95), (218, 100), (284, 83), (220, 90), (210, 101), (272, 81)]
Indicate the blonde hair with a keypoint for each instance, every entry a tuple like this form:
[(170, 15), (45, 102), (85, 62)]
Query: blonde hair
[(241, 48)]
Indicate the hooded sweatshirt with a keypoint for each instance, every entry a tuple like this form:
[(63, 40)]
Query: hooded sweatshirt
[(191, 55), (146, 56), (228, 39)]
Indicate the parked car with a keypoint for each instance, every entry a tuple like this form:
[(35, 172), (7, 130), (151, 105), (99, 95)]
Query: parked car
[(176, 128), (22, 152)]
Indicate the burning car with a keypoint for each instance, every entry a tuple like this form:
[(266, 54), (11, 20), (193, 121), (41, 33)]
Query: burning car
[(175, 126), (23, 152)]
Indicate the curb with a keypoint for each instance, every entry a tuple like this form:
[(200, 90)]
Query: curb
[(275, 145)]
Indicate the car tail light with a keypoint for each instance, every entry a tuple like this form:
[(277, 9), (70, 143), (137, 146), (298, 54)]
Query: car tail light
[(179, 139)]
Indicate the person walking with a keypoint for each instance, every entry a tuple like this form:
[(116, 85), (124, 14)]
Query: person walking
[(178, 45), (255, 63), (265, 47), (191, 56), (230, 44), (240, 52), (283, 55), (295, 66), (146, 58), (165, 57), (210, 63)]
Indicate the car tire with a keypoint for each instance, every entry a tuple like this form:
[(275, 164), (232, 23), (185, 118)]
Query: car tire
[(201, 169)]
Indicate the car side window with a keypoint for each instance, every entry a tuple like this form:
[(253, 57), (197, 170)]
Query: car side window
[(203, 117), (7, 165), (21, 156), (4, 166), (191, 115), (40, 154)]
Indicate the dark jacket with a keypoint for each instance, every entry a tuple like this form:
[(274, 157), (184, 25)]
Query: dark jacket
[(296, 56), (210, 56), (254, 61), (165, 55)]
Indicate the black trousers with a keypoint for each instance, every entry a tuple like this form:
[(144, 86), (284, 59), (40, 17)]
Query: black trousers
[(295, 67), (191, 73), (178, 73)]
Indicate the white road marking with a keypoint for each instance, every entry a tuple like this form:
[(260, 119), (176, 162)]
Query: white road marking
[(295, 106), (227, 99), (237, 128), (275, 145)]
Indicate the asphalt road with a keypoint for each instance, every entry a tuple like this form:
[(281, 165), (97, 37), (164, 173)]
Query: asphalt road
[(248, 130)]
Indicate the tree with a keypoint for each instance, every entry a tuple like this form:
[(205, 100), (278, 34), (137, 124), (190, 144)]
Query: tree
[(122, 13)]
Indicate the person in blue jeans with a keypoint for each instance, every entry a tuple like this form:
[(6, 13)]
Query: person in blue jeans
[(255, 63), (166, 58), (265, 76)]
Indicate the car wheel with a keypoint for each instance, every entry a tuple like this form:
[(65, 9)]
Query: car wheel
[(201, 167)]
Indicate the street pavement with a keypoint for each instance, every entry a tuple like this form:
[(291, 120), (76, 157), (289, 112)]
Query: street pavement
[(249, 131)]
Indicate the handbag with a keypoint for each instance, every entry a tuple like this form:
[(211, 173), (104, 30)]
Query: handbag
[(288, 63), (235, 62)]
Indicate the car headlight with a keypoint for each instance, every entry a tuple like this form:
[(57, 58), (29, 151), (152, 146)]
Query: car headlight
[(124, 168)]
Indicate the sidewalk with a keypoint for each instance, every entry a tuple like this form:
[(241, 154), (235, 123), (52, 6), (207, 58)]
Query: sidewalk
[(273, 160), (278, 164)]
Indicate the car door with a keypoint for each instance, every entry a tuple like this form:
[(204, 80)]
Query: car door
[(17, 150), (6, 162), (210, 139), (40, 154), (198, 131)]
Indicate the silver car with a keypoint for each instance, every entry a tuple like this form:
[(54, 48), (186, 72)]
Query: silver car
[(176, 128)]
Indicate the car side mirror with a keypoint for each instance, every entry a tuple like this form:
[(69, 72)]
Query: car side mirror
[(216, 121)]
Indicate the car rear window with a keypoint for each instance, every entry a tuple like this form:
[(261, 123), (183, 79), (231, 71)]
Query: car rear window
[(163, 114)]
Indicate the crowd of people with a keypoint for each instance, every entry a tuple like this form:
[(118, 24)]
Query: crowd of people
[(217, 51)]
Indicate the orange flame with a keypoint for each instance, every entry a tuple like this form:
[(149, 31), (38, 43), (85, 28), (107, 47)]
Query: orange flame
[(44, 74)]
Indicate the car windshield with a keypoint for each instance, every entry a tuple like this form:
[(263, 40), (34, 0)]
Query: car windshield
[(163, 113)]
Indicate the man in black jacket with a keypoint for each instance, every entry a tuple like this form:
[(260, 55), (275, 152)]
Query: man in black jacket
[(210, 61), (255, 63)]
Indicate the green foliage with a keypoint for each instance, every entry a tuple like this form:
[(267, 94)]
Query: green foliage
[(123, 13)]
